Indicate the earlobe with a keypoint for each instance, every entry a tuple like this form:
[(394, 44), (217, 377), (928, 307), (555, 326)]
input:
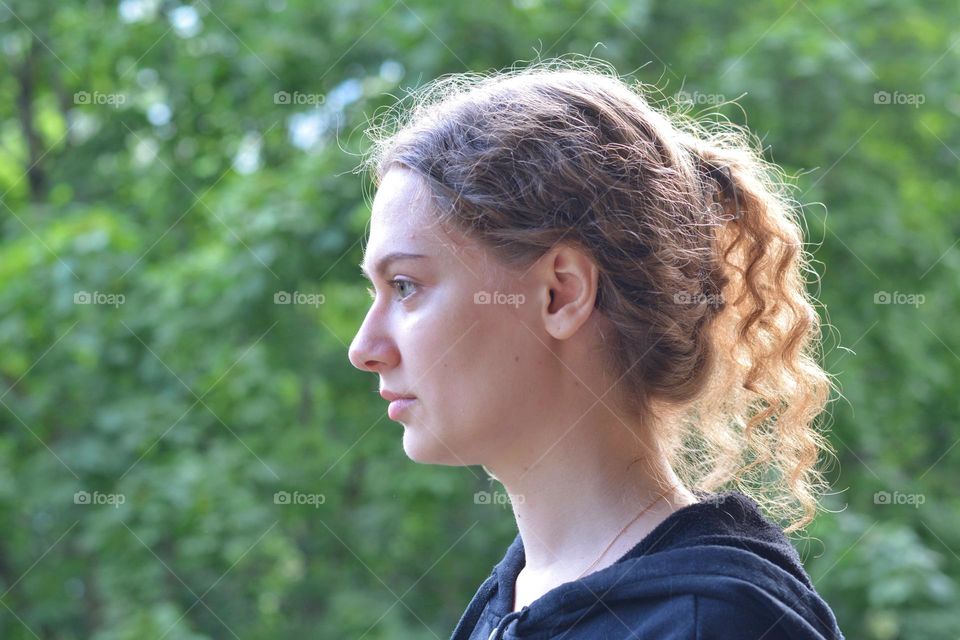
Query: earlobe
[(563, 315)]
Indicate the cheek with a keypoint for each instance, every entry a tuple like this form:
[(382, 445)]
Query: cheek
[(468, 359), (490, 372), (481, 376)]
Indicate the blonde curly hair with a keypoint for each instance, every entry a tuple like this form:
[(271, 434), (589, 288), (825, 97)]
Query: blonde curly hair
[(698, 245)]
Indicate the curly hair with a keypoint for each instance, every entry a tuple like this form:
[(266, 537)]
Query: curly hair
[(697, 243)]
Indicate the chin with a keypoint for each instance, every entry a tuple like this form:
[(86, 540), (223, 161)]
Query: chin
[(428, 450)]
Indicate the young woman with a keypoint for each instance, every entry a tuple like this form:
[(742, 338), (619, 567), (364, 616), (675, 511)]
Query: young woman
[(605, 307)]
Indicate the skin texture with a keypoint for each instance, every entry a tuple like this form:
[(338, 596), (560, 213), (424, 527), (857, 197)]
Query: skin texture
[(517, 385)]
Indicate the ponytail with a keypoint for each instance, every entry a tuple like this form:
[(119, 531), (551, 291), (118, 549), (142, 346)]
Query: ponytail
[(759, 411)]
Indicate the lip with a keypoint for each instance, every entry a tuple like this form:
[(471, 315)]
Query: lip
[(390, 396), (398, 406)]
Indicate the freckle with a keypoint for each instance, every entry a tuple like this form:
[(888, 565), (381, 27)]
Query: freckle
[(516, 358)]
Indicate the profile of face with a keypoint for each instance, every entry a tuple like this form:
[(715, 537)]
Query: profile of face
[(478, 345)]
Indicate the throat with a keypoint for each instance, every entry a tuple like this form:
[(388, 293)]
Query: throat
[(528, 588)]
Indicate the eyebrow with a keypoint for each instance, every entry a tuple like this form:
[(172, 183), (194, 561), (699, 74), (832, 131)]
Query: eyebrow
[(385, 261)]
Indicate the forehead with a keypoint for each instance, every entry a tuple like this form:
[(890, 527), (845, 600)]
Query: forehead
[(401, 218), (401, 199)]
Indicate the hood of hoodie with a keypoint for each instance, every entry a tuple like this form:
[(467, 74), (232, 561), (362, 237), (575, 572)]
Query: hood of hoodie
[(721, 549)]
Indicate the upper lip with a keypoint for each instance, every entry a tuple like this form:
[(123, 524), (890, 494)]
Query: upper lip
[(390, 396)]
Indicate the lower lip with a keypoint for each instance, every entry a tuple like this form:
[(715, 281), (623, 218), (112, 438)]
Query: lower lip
[(397, 407)]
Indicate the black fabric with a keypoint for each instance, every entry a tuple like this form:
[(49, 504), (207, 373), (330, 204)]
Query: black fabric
[(715, 570)]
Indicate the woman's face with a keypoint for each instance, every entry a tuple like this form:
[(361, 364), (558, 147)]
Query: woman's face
[(454, 329)]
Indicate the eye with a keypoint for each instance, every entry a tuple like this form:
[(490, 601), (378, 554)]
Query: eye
[(397, 284)]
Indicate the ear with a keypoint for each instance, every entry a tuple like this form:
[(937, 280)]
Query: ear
[(571, 278)]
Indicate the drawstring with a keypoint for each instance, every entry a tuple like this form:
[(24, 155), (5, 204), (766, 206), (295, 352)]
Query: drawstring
[(505, 622)]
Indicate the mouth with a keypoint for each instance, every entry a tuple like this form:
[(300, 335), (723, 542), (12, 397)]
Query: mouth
[(398, 407)]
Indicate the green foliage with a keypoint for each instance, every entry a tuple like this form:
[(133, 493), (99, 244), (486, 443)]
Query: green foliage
[(183, 165)]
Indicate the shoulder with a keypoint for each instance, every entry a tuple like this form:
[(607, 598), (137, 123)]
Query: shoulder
[(716, 593), (680, 616), (722, 619), (699, 617)]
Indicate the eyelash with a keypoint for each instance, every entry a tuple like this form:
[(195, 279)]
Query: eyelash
[(393, 284)]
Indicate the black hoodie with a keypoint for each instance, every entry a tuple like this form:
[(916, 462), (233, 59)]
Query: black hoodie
[(715, 570)]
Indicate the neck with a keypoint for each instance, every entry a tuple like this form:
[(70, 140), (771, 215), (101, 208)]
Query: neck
[(570, 501)]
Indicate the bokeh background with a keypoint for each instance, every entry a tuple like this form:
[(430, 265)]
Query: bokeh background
[(185, 450)]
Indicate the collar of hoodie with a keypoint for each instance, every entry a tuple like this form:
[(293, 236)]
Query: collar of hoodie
[(506, 621)]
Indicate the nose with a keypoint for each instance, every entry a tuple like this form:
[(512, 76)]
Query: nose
[(372, 349)]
